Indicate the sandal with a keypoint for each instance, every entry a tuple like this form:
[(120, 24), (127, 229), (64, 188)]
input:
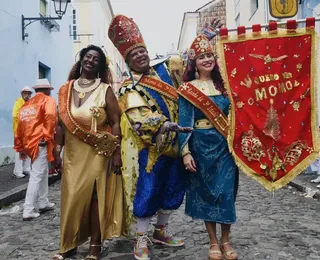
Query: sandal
[(65, 255), (94, 257), (229, 254), (215, 254)]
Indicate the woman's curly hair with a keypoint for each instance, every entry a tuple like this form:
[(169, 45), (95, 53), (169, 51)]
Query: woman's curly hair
[(104, 71)]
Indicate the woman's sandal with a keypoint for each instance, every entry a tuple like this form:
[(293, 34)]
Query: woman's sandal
[(215, 254), (93, 257), (229, 254), (65, 255)]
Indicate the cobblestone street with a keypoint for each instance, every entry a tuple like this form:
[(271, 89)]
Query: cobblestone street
[(280, 227)]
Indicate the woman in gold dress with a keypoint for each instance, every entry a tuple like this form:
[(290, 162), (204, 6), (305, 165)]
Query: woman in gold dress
[(91, 196)]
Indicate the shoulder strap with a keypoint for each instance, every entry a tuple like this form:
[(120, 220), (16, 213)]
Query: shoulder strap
[(104, 144), (214, 114)]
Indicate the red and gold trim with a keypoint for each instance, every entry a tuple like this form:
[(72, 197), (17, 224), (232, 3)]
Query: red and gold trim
[(213, 113), (125, 34), (267, 144), (104, 144), (159, 86)]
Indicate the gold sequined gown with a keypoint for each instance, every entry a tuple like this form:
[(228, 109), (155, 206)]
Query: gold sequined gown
[(83, 168)]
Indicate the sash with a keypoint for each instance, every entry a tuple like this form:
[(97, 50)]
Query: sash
[(157, 85), (104, 144), (213, 113)]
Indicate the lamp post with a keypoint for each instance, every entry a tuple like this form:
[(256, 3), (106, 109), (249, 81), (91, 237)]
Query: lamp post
[(60, 7)]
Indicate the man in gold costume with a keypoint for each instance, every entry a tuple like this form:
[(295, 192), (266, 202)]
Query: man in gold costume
[(152, 178)]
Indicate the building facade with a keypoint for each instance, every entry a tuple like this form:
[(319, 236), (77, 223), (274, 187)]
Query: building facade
[(45, 52), (91, 20), (193, 22)]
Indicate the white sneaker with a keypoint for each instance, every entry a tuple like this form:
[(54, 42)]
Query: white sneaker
[(47, 207), (30, 216), (318, 186), (317, 180), (18, 175)]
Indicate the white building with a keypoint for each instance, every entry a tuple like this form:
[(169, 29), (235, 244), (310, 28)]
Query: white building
[(45, 52), (192, 22), (188, 30), (257, 12), (91, 20)]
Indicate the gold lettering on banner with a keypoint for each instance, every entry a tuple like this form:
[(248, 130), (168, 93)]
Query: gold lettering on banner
[(260, 95), (282, 87), (266, 78), (289, 85), (273, 91), (261, 79)]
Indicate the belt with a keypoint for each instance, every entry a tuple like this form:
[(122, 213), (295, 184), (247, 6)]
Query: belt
[(203, 124)]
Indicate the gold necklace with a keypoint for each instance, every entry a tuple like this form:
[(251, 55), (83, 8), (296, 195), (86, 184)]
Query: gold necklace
[(86, 81), (82, 91)]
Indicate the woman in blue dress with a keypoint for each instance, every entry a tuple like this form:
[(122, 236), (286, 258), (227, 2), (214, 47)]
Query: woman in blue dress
[(212, 174)]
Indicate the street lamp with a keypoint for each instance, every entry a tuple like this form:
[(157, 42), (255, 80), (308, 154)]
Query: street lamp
[(60, 7)]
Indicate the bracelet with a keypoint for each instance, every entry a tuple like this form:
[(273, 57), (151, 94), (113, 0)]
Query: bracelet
[(186, 153)]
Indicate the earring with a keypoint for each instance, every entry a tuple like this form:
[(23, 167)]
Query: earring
[(197, 74), (80, 69), (98, 75)]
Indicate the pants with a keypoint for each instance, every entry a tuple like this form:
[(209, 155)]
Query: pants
[(38, 182), (21, 166), (161, 189)]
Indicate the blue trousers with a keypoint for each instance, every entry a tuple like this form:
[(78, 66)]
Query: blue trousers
[(162, 188)]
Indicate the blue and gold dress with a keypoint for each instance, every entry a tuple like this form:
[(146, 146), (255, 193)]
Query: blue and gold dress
[(211, 191)]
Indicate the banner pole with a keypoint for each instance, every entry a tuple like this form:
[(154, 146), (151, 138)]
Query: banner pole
[(266, 25)]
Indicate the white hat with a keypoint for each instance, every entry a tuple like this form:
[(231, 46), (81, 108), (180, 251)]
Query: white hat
[(26, 89), (42, 83)]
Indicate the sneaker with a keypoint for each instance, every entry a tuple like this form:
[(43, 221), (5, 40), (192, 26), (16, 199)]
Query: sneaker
[(141, 251), (318, 186), (30, 216), (18, 175), (163, 236), (47, 207), (317, 180)]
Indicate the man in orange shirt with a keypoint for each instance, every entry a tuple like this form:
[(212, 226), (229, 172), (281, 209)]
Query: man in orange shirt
[(35, 138)]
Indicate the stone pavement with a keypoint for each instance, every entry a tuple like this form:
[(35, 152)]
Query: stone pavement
[(280, 226), (13, 189)]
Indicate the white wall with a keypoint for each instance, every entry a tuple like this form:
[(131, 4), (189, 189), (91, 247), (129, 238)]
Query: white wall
[(245, 12), (19, 59), (188, 31), (94, 17)]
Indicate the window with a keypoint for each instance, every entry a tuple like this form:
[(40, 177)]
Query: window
[(43, 7), (74, 26), (44, 71), (254, 6)]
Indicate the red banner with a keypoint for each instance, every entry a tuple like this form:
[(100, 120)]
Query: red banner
[(271, 82)]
